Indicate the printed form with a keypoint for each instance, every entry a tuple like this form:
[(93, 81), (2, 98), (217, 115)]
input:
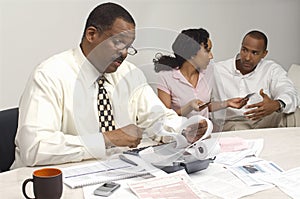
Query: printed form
[(288, 182), (177, 185)]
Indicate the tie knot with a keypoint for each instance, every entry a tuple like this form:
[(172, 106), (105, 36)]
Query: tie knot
[(101, 80)]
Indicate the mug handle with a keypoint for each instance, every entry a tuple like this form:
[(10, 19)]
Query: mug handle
[(24, 187)]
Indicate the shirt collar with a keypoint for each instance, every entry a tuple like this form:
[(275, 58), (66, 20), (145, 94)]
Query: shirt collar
[(234, 67), (238, 72), (87, 70), (177, 75)]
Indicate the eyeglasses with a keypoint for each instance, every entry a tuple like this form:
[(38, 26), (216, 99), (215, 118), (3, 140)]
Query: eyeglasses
[(118, 44)]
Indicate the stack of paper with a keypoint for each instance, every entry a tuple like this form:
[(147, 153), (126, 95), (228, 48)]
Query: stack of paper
[(102, 171)]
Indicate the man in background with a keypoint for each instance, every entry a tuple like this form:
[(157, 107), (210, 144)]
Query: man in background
[(272, 93)]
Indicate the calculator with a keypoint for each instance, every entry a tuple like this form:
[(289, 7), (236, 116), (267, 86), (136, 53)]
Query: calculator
[(136, 151)]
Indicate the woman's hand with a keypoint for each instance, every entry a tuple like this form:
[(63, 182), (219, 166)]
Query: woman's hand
[(237, 102), (197, 105)]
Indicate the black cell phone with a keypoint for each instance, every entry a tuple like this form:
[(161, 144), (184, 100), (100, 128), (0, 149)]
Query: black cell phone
[(249, 95), (202, 105), (106, 189)]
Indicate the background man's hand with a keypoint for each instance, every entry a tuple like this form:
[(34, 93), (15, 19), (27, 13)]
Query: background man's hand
[(129, 135), (263, 108), (195, 131)]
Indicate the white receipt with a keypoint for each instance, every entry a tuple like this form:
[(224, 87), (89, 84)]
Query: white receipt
[(162, 155), (208, 148), (181, 141)]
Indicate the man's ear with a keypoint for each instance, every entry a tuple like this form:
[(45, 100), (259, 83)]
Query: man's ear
[(265, 53), (91, 33)]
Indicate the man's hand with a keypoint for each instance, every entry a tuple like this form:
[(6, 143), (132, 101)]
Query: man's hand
[(263, 108), (195, 131), (129, 135)]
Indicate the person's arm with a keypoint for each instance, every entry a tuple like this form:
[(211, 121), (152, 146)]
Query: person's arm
[(153, 112), (283, 96), (233, 103), (282, 88), (148, 112), (164, 90), (261, 109), (47, 133), (172, 123), (184, 110)]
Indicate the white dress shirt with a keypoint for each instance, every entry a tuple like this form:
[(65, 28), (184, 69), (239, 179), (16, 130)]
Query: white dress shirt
[(58, 119), (268, 75)]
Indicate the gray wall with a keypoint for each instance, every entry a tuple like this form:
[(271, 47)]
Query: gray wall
[(33, 30)]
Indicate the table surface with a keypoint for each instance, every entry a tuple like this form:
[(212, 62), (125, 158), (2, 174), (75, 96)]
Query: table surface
[(281, 145)]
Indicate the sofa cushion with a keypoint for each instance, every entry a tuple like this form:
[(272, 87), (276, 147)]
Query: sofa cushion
[(294, 75)]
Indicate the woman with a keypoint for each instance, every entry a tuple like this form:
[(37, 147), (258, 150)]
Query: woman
[(183, 78)]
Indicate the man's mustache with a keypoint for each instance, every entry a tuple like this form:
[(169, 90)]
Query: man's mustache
[(119, 59)]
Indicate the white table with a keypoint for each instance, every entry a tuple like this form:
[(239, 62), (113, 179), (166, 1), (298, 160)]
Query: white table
[(281, 145)]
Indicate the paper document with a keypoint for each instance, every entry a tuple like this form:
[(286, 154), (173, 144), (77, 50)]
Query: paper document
[(101, 171), (250, 173), (177, 185), (220, 182), (164, 154), (124, 191), (255, 146), (288, 182), (230, 144)]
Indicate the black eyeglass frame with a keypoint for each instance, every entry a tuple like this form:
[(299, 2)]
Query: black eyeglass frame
[(119, 44)]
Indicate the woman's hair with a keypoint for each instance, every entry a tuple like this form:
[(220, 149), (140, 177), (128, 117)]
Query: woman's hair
[(186, 45)]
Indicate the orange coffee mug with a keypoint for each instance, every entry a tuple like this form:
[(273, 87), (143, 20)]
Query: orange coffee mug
[(47, 184)]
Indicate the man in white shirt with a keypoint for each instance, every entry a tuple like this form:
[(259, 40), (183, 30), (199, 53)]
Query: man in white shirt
[(248, 73), (59, 119)]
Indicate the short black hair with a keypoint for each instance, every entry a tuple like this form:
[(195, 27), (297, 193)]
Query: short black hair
[(104, 15), (258, 35)]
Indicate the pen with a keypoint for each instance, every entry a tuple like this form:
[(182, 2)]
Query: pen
[(123, 157)]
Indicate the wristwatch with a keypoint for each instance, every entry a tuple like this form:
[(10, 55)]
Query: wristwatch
[(282, 106)]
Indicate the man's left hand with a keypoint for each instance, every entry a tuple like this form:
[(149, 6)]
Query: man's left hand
[(263, 108)]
